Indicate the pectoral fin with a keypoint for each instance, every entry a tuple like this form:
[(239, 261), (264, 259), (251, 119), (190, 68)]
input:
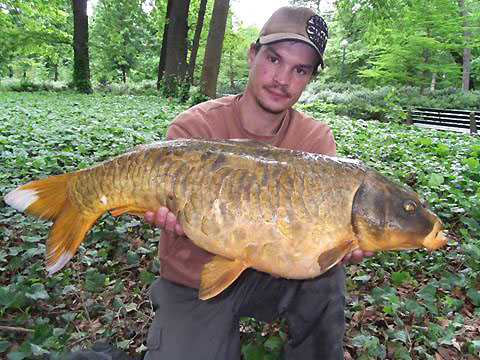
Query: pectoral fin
[(334, 255), (218, 274), (129, 209)]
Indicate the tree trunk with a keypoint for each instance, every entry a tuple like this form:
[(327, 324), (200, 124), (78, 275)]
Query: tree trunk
[(196, 40), (176, 61), (232, 70), (433, 82), (81, 68), (163, 51), (55, 72), (213, 50), (467, 52), (124, 74)]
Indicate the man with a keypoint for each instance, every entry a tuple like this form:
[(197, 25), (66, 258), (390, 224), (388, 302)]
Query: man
[(284, 59)]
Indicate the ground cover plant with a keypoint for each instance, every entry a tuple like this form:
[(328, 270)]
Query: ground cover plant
[(409, 305)]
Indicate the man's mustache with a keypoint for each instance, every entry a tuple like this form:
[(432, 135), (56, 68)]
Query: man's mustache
[(278, 89)]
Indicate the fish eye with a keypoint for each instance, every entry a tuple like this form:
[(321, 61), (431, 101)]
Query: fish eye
[(409, 206)]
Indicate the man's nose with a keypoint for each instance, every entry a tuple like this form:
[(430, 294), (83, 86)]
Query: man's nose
[(282, 75)]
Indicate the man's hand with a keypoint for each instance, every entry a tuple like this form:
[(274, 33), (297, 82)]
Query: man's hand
[(164, 219), (356, 256)]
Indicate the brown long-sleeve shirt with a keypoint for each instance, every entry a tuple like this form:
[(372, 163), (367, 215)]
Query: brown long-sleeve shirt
[(181, 260)]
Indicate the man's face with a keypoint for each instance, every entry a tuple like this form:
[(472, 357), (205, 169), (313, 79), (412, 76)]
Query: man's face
[(279, 72)]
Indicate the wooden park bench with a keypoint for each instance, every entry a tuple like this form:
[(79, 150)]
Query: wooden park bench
[(445, 119)]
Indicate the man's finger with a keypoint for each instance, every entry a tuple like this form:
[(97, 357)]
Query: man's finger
[(170, 222), (179, 230), (160, 217), (149, 216)]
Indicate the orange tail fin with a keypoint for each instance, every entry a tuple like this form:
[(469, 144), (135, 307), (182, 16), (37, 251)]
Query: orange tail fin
[(48, 199)]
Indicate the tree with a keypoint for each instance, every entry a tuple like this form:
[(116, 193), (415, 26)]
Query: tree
[(234, 67), (176, 56), (120, 40), (467, 51), (34, 35), (196, 40), (213, 51), (81, 67), (163, 51)]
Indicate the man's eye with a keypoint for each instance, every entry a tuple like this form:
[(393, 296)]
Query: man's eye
[(301, 71), (272, 59)]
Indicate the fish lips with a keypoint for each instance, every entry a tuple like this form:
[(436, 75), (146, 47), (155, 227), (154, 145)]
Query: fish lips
[(436, 239)]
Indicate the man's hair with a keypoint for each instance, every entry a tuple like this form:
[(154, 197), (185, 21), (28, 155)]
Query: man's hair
[(256, 48)]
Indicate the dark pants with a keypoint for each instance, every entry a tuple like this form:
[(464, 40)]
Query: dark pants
[(188, 328)]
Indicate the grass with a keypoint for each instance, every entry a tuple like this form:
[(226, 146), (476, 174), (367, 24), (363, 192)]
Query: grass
[(405, 305)]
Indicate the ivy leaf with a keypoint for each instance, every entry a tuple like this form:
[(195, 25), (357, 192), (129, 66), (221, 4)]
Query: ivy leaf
[(147, 277), (95, 281), (36, 292), (273, 343), (427, 293), (474, 296), (435, 180), (4, 345), (398, 277), (37, 350)]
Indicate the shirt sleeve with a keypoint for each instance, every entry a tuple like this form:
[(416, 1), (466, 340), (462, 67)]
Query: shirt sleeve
[(329, 146), (318, 138), (189, 124)]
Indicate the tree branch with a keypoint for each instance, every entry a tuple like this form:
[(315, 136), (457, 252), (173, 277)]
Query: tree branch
[(15, 329)]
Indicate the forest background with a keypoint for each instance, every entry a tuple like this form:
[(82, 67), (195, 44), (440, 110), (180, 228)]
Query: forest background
[(426, 45), (64, 108)]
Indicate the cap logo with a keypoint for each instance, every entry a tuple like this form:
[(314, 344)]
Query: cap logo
[(317, 32)]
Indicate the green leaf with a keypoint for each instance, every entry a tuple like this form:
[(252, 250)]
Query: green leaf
[(442, 150), (402, 353), (253, 352), (435, 180), (424, 141), (117, 303), (146, 277), (69, 316), (37, 350), (472, 163), (428, 293), (273, 343), (118, 287), (36, 292), (362, 278), (398, 277), (95, 281), (16, 355), (4, 345), (132, 257), (474, 296)]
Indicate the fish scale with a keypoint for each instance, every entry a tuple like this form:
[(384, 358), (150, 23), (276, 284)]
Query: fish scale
[(289, 213)]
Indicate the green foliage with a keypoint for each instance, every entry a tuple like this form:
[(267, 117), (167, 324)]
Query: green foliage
[(34, 35), (404, 305), (385, 103), (49, 133), (234, 68), (124, 45), (410, 305), (30, 86), (405, 42)]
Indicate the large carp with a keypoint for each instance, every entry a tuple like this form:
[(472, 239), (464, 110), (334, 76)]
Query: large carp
[(288, 213)]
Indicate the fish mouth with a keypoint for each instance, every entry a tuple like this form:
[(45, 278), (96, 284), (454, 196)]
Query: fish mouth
[(436, 239)]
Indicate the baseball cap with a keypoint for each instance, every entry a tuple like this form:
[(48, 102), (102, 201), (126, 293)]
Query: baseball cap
[(296, 23)]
